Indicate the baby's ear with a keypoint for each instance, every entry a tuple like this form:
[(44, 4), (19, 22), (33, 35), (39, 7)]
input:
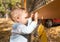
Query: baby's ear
[(17, 17)]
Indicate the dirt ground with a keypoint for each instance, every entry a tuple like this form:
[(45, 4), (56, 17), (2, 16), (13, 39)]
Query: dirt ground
[(53, 34), (5, 29)]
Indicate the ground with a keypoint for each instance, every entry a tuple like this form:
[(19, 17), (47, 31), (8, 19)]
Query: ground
[(53, 34), (5, 29)]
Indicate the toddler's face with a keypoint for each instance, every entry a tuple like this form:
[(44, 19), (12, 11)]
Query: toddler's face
[(24, 17), (20, 16)]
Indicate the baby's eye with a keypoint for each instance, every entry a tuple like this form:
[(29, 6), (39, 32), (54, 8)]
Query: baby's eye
[(26, 17)]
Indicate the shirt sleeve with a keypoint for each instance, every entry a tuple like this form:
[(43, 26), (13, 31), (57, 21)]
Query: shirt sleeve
[(27, 29), (16, 30), (29, 21)]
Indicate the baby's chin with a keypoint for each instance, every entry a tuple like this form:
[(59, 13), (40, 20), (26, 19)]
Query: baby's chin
[(25, 23)]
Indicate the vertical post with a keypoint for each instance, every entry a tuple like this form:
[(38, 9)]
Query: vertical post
[(25, 4)]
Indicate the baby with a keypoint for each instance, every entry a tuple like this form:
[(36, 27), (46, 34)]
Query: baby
[(23, 24)]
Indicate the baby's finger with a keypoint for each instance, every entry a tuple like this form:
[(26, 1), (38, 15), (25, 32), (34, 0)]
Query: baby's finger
[(32, 15), (36, 15)]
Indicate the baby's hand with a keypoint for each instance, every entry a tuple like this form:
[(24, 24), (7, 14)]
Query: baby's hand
[(36, 17), (32, 15)]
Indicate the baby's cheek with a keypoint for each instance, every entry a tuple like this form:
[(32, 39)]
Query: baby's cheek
[(25, 20)]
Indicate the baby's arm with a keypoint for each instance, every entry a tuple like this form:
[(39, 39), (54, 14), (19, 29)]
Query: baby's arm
[(29, 21), (28, 29), (22, 29)]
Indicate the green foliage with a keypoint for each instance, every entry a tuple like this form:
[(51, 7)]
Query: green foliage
[(2, 8), (13, 2), (0, 1), (6, 5)]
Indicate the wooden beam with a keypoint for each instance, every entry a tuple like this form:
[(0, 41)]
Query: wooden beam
[(25, 4)]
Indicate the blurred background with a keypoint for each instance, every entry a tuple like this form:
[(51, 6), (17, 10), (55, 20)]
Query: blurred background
[(48, 29)]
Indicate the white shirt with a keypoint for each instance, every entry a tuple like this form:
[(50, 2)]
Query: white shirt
[(19, 29)]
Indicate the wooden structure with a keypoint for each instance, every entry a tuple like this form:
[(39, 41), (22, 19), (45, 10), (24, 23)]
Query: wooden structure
[(48, 10)]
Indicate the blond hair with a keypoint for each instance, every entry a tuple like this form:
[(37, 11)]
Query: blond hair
[(16, 12)]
